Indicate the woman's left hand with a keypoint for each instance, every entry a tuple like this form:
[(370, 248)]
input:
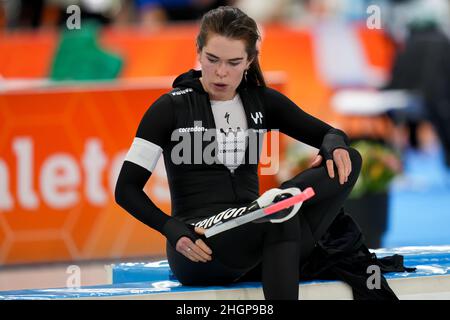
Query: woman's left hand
[(342, 160)]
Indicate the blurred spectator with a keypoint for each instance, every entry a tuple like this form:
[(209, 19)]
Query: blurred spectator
[(155, 13), (304, 12), (348, 10), (423, 67), (402, 13), (35, 13), (420, 31), (100, 11), (271, 11), (79, 56), (23, 13), (31, 13)]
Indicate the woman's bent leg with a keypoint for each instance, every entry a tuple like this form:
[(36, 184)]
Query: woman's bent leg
[(321, 210)]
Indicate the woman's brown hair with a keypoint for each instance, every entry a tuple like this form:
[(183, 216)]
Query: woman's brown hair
[(232, 23)]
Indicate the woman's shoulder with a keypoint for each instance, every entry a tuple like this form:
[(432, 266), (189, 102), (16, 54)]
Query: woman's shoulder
[(264, 90), (268, 93), (170, 98)]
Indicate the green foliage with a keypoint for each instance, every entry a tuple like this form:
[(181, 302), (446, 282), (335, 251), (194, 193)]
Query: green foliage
[(380, 165)]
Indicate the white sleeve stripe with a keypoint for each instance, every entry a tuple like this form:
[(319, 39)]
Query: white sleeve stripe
[(144, 153)]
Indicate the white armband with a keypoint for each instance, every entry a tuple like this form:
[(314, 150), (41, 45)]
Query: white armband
[(144, 153)]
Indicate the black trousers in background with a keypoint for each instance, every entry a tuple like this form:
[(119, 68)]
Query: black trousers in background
[(272, 252)]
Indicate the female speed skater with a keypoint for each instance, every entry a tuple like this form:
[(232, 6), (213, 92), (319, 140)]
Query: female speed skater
[(228, 97)]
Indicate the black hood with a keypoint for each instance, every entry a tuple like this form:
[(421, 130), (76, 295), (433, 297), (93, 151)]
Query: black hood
[(189, 79)]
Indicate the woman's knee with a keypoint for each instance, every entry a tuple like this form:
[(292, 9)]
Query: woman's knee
[(285, 231), (356, 161)]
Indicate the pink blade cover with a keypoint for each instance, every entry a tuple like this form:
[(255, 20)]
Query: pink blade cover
[(289, 202)]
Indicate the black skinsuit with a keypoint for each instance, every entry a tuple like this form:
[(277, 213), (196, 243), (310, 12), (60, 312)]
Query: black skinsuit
[(276, 252)]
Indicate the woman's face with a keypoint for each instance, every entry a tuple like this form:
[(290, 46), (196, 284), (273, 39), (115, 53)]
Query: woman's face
[(223, 61)]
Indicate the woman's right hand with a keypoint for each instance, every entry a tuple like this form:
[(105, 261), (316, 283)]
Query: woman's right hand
[(197, 251)]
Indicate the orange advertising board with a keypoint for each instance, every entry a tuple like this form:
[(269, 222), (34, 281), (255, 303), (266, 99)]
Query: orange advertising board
[(61, 151)]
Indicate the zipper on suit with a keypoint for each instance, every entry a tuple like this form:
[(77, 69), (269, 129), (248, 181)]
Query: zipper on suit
[(233, 184)]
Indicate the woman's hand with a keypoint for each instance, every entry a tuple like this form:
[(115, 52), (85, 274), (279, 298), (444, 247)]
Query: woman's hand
[(342, 160), (197, 251)]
